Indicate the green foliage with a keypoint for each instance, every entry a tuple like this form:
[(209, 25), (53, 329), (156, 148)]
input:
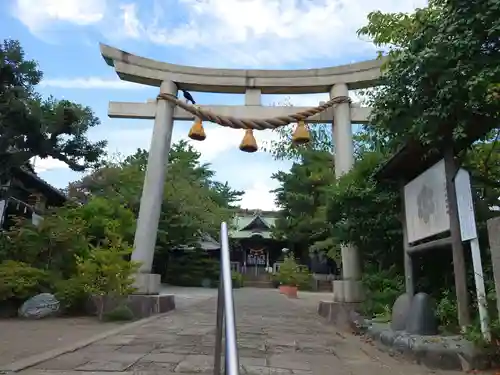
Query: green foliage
[(446, 311), (20, 281), (302, 198), (106, 271), (191, 267), (31, 126), (237, 279), (442, 70), (71, 294), (382, 288), (365, 213), (292, 274), (193, 203), (118, 314), (65, 233), (104, 218)]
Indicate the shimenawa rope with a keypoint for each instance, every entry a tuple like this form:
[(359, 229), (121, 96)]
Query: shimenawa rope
[(257, 124)]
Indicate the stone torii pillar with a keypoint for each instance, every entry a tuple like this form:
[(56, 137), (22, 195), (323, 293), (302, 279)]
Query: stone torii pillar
[(152, 193), (349, 288)]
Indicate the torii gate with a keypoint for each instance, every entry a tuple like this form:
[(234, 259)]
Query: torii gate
[(253, 83)]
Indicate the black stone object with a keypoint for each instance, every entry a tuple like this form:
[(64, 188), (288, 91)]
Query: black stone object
[(400, 311), (421, 318)]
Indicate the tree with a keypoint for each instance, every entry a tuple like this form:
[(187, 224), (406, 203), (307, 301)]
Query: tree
[(32, 126), (442, 71), (302, 199), (442, 64), (193, 203)]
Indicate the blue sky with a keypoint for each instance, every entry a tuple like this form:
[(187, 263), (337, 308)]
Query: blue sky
[(64, 35)]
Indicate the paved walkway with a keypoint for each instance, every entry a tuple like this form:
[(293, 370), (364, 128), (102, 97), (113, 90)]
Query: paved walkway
[(276, 336)]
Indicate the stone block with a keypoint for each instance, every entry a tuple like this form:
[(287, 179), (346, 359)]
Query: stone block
[(422, 316), (142, 306), (350, 291), (400, 311), (147, 283)]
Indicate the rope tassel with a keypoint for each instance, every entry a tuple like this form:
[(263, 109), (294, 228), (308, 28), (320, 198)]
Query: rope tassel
[(248, 144), (197, 132), (301, 134)]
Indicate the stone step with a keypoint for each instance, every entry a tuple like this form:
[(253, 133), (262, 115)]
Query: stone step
[(262, 277), (325, 286), (258, 284)]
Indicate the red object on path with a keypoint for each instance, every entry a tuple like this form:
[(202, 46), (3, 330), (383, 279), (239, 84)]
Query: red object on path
[(289, 291)]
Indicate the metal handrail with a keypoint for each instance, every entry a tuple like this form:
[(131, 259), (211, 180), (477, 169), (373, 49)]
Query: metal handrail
[(225, 313)]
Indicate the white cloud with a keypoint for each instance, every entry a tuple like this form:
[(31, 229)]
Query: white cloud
[(47, 164), (258, 196), (270, 32), (91, 83), (243, 32), (37, 15)]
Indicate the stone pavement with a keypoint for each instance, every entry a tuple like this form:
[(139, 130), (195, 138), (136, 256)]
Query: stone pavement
[(276, 336)]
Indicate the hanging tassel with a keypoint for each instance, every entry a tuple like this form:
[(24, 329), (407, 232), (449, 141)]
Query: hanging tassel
[(301, 134), (197, 132), (248, 144)]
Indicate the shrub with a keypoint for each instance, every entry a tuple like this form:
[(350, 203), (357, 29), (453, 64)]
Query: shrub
[(107, 274), (51, 245), (19, 281), (237, 279), (383, 288), (292, 274), (106, 271), (71, 294), (119, 313)]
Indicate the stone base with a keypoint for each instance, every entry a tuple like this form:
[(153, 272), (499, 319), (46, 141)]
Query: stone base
[(435, 352), (344, 316), (350, 291), (147, 283), (142, 306)]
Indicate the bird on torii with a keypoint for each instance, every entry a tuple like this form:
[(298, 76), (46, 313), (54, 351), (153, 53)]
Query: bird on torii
[(189, 98)]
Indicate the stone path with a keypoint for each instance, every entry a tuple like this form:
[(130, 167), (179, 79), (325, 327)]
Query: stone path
[(276, 336), (23, 338)]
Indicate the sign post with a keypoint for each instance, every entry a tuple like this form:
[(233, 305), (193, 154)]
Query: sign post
[(468, 232), (428, 213)]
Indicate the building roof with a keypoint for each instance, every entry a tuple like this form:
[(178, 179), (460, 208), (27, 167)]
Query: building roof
[(248, 223), (53, 195)]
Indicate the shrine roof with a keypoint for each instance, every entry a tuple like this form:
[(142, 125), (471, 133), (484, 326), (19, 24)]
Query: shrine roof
[(244, 220), (27, 177)]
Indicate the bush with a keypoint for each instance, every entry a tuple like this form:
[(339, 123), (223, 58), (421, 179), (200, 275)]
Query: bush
[(19, 281), (292, 274), (446, 311), (383, 288), (51, 246), (106, 272), (191, 268), (71, 294), (119, 313), (237, 279)]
